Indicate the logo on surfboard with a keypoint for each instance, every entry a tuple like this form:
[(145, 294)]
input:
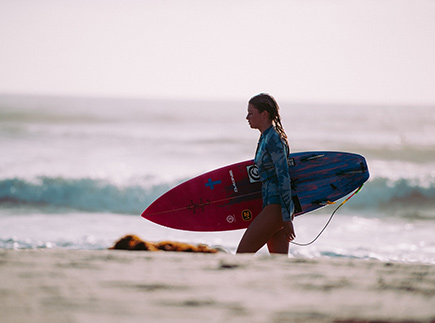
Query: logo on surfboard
[(246, 215), (212, 184), (253, 173), (231, 218)]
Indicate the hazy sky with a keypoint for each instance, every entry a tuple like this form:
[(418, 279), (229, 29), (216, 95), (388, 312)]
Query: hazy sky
[(336, 51)]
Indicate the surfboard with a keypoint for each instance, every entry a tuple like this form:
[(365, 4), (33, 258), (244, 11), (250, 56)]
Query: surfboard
[(229, 198)]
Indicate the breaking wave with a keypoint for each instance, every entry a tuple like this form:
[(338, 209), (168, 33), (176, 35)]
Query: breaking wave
[(384, 193), (82, 194), (101, 196)]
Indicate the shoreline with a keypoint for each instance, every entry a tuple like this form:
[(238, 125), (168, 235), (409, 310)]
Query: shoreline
[(53, 285)]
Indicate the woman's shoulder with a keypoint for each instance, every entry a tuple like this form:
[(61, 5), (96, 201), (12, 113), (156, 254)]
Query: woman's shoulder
[(273, 136)]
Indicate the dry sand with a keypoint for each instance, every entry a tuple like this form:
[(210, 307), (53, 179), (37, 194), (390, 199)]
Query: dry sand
[(132, 286)]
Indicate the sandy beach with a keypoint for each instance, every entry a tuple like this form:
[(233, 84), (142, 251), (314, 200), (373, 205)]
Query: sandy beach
[(134, 286)]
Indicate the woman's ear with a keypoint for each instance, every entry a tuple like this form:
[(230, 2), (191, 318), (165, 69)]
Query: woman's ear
[(265, 114)]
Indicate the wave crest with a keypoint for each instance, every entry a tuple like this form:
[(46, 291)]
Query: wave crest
[(397, 197), (82, 194), (101, 196)]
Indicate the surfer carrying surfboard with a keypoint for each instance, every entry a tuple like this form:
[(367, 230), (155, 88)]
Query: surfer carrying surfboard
[(273, 225)]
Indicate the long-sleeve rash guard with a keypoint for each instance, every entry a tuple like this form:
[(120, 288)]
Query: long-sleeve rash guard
[(271, 159)]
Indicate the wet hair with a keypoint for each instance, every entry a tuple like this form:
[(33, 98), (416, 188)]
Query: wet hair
[(265, 102)]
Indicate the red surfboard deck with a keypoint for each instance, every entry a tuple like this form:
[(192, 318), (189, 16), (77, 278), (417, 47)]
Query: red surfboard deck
[(229, 198)]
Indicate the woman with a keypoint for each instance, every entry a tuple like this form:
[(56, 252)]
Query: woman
[(274, 223)]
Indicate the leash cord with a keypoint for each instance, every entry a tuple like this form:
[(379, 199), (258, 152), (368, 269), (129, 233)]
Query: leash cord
[(329, 220)]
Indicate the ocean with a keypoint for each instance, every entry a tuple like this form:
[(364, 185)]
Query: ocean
[(77, 172)]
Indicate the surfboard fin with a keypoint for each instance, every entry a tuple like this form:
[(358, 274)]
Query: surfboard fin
[(297, 204)]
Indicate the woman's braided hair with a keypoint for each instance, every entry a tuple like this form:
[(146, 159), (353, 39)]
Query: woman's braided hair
[(265, 102)]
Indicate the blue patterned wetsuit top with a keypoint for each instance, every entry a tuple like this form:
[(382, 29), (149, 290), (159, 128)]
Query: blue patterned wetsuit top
[(272, 162)]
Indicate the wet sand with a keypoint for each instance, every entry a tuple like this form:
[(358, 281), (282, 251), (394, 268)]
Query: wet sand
[(136, 286)]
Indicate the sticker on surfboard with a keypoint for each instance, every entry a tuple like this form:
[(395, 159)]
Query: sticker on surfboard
[(254, 175), (247, 215)]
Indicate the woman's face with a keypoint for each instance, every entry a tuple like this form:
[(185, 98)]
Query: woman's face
[(254, 117)]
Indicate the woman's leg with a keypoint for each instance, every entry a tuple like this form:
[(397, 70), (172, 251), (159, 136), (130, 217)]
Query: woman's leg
[(278, 243), (262, 229)]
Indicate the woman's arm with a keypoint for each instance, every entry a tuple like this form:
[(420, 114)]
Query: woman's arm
[(278, 153)]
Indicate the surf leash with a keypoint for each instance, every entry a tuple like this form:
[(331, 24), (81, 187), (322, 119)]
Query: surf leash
[(330, 218)]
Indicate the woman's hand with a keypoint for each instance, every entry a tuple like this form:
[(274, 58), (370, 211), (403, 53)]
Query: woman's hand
[(289, 230)]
